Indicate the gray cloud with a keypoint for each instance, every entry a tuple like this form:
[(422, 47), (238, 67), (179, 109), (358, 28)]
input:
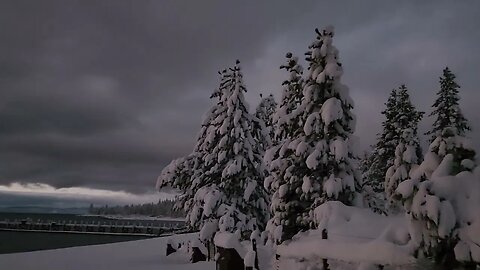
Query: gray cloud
[(103, 94)]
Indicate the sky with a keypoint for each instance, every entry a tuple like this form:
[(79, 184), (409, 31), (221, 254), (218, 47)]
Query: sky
[(98, 96)]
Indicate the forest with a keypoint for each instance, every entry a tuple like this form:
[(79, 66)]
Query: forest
[(288, 174)]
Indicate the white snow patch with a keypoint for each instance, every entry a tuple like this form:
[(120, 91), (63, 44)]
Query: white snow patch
[(143, 254), (354, 235), (331, 110)]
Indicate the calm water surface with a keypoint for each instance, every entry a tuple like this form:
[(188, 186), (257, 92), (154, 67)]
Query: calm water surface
[(11, 242)]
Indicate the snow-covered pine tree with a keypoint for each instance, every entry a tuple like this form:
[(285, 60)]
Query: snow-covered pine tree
[(372, 192), (234, 198), (438, 210), (408, 117), (441, 203), (265, 111), (185, 173), (407, 152), (313, 164), (263, 125), (382, 157), (447, 111), (285, 123), (224, 191), (406, 159), (178, 174), (328, 128), (450, 126)]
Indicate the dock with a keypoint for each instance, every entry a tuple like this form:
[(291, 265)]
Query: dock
[(113, 227)]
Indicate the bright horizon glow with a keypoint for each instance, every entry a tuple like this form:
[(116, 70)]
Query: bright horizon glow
[(82, 193)]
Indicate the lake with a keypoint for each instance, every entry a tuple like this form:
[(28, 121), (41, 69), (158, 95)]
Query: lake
[(13, 241)]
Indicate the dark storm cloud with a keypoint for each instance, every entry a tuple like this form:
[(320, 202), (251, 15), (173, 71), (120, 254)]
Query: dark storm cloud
[(104, 93), (384, 44)]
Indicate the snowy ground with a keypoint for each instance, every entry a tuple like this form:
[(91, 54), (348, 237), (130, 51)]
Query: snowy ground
[(355, 235), (139, 255)]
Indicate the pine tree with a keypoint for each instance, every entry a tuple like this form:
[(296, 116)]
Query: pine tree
[(408, 153), (313, 164), (231, 195), (178, 174), (406, 159), (436, 204), (226, 167), (407, 117), (263, 125), (185, 173), (436, 214), (382, 157), (372, 191), (264, 112), (446, 108), (450, 126), (285, 122)]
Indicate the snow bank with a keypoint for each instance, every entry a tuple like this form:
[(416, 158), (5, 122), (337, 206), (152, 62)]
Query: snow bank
[(141, 255), (195, 242), (249, 259), (354, 235), (378, 252), (265, 253), (230, 240)]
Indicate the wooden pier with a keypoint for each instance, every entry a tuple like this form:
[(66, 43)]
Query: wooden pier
[(113, 227)]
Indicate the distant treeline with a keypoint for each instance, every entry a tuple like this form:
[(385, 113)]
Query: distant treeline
[(164, 208)]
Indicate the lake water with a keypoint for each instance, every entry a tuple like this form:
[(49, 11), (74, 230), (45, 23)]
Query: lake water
[(11, 241)]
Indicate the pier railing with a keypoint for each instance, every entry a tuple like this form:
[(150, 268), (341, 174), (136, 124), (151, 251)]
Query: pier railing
[(128, 228)]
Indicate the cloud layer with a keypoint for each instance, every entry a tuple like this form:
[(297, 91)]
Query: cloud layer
[(43, 195), (103, 94)]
